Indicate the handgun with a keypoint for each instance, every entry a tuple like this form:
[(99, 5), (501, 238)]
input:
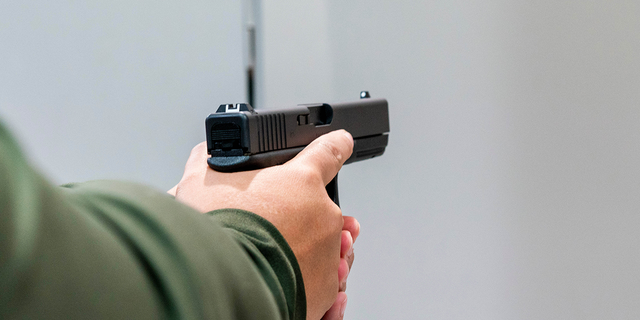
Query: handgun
[(240, 138)]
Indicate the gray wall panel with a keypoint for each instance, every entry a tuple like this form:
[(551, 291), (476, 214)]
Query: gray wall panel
[(509, 188), (116, 89)]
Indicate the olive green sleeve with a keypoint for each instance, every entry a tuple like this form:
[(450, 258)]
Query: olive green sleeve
[(265, 244), (115, 250)]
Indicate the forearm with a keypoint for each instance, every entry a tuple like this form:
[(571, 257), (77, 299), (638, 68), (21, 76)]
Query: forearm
[(118, 250)]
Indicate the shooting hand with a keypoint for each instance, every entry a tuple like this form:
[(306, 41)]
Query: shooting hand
[(292, 197)]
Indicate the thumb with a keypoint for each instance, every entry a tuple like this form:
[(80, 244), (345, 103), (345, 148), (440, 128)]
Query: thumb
[(327, 153)]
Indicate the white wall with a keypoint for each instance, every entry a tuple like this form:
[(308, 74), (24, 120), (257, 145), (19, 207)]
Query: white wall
[(116, 89), (510, 186), (294, 57)]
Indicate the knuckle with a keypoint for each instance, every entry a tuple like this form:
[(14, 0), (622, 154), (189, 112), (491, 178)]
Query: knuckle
[(333, 151), (335, 215), (306, 174), (198, 148)]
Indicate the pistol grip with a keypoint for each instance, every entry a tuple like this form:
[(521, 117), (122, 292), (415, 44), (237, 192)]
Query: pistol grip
[(332, 190)]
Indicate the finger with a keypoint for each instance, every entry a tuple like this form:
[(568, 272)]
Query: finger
[(336, 312), (198, 156), (352, 225), (172, 191), (343, 273), (327, 153), (346, 242)]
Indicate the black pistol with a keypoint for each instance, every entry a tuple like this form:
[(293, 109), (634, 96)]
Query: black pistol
[(240, 138)]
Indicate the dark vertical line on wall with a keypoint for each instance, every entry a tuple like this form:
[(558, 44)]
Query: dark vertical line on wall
[(251, 30)]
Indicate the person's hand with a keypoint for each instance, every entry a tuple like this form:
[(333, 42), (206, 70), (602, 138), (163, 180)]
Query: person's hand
[(350, 231), (292, 197)]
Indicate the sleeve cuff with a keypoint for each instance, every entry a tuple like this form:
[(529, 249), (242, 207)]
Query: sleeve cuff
[(272, 255)]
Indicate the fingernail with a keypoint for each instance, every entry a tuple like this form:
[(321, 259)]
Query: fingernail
[(344, 307)]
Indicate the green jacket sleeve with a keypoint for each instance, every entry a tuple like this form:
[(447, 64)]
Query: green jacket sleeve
[(119, 250)]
